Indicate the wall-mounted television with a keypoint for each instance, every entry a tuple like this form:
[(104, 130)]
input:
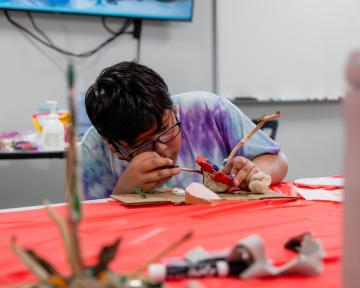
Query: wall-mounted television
[(177, 10)]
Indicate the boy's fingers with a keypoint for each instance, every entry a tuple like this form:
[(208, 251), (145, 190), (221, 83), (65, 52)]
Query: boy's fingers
[(243, 173), (148, 187), (146, 155), (235, 165), (239, 178), (161, 174), (162, 181), (238, 163), (155, 163), (228, 168), (246, 181)]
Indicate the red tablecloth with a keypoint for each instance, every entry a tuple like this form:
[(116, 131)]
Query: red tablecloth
[(145, 230)]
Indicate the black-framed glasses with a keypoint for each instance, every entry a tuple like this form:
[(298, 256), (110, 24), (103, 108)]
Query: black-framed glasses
[(164, 137)]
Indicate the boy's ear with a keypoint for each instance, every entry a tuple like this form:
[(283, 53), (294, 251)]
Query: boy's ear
[(175, 108), (113, 149), (111, 146), (105, 139)]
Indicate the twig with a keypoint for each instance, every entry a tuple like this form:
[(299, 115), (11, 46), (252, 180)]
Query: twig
[(106, 255), (65, 234), (74, 214), (161, 253), (270, 117), (26, 258), (261, 121), (54, 277)]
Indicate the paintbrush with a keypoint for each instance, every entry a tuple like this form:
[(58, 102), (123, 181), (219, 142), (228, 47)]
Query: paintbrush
[(184, 169), (191, 170)]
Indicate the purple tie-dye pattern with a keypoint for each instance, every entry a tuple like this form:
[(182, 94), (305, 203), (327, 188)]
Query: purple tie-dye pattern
[(212, 126), (200, 126)]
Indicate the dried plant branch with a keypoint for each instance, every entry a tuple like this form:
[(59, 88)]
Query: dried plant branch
[(261, 121), (74, 213), (29, 261), (65, 234)]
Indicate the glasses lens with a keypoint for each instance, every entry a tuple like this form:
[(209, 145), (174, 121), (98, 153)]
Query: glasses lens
[(164, 138), (170, 134)]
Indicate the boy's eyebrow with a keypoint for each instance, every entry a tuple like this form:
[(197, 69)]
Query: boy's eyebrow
[(151, 137)]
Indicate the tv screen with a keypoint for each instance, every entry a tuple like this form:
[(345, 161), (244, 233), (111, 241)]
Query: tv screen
[(179, 10)]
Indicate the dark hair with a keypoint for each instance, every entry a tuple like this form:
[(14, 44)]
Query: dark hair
[(126, 100)]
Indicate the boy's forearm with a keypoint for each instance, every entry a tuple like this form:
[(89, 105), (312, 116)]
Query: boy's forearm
[(274, 165)]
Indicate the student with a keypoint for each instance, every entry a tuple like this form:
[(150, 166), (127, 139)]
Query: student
[(139, 132)]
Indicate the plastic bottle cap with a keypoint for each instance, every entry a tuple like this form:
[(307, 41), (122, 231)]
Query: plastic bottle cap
[(52, 106), (222, 268), (157, 271)]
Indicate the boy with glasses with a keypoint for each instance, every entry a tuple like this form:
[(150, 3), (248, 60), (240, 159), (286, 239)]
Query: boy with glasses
[(140, 133)]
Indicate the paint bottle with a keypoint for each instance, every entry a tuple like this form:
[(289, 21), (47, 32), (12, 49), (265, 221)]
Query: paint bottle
[(53, 133)]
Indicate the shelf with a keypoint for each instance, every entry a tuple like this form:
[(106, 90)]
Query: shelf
[(238, 101), (18, 155)]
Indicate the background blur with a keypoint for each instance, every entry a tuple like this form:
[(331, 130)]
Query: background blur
[(183, 53)]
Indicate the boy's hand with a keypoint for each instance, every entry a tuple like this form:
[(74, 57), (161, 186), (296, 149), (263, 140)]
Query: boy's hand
[(146, 170), (242, 169)]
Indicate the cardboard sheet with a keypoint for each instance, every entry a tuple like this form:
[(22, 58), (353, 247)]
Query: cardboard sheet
[(169, 197)]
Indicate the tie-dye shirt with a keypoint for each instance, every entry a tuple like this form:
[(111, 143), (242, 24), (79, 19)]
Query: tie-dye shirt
[(211, 127)]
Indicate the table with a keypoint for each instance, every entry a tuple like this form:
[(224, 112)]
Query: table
[(31, 155), (145, 229)]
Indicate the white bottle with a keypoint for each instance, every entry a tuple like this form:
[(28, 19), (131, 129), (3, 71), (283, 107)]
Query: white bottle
[(351, 248), (53, 133)]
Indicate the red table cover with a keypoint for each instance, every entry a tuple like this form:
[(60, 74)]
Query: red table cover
[(144, 230)]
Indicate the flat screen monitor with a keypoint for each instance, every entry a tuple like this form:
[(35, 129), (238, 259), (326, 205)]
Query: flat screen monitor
[(177, 10)]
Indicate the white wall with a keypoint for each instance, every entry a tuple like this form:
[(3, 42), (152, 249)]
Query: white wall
[(310, 134), (285, 49)]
